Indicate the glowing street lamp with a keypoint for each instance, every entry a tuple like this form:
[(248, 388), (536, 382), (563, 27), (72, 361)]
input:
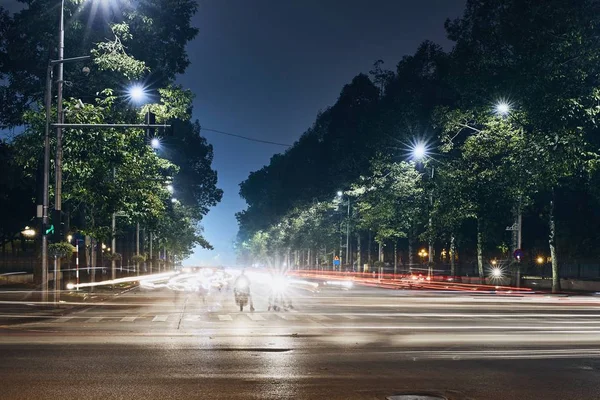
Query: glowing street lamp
[(419, 151), (137, 93), (497, 273), (340, 193), (28, 232), (502, 108), (540, 260), (155, 143), (423, 253)]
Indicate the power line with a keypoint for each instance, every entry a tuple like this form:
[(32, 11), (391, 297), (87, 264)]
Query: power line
[(244, 137)]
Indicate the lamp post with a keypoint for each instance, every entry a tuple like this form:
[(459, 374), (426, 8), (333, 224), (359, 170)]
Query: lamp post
[(340, 195), (420, 153)]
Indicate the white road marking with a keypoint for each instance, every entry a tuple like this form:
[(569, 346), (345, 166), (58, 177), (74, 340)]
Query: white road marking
[(128, 319), (350, 317), (256, 317), (225, 318), (61, 320), (192, 318), (320, 317), (288, 317), (160, 318)]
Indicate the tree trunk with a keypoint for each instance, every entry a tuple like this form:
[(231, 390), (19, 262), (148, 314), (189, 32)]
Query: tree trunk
[(93, 263), (452, 248), (552, 243), (480, 250), (370, 258), (395, 257), (411, 259), (358, 255), (381, 251), (308, 259)]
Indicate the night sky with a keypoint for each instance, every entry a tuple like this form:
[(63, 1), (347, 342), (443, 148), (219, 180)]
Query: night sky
[(264, 68)]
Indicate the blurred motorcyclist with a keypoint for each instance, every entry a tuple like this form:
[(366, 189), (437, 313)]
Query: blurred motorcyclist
[(242, 286), (278, 297)]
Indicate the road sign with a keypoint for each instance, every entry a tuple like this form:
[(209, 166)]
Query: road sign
[(518, 254), (336, 261)]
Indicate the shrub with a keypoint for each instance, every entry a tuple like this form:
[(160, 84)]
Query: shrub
[(60, 250)]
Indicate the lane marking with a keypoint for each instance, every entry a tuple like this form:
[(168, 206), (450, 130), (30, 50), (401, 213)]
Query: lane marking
[(225, 318), (128, 319), (256, 317), (192, 318), (160, 318), (287, 317), (61, 320), (320, 317)]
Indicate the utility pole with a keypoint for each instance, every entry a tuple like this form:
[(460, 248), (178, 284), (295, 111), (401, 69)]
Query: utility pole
[(431, 221), (113, 242), (150, 240), (137, 244), (58, 172), (45, 200), (348, 234)]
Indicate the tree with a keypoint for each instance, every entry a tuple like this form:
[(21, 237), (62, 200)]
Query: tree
[(545, 54), (28, 39)]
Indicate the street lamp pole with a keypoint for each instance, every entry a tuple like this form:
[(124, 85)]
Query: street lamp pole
[(45, 200), (348, 233)]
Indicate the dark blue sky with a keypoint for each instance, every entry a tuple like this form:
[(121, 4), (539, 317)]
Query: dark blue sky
[(264, 68)]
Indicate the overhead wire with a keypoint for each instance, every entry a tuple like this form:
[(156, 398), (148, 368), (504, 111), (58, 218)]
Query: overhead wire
[(244, 137)]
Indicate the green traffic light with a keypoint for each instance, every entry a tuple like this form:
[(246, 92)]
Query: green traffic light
[(50, 230)]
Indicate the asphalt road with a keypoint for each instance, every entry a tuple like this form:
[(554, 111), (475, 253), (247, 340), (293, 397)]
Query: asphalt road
[(362, 343)]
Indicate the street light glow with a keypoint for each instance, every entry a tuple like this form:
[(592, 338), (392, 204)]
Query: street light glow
[(540, 260), (170, 188), (502, 108), (155, 143), (137, 93), (496, 273), (419, 151), (340, 193), (28, 232)]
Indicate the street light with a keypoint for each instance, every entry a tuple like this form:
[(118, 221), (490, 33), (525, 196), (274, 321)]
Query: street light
[(28, 232), (419, 151), (340, 195), (137, 93), (155, 143), (540, 260), (502, 108)]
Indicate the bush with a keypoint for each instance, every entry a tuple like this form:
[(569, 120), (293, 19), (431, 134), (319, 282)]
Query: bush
[(115, 256), (60, 250), (138, 259)]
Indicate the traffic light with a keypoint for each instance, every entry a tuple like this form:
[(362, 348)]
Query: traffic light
[(58, 228)]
